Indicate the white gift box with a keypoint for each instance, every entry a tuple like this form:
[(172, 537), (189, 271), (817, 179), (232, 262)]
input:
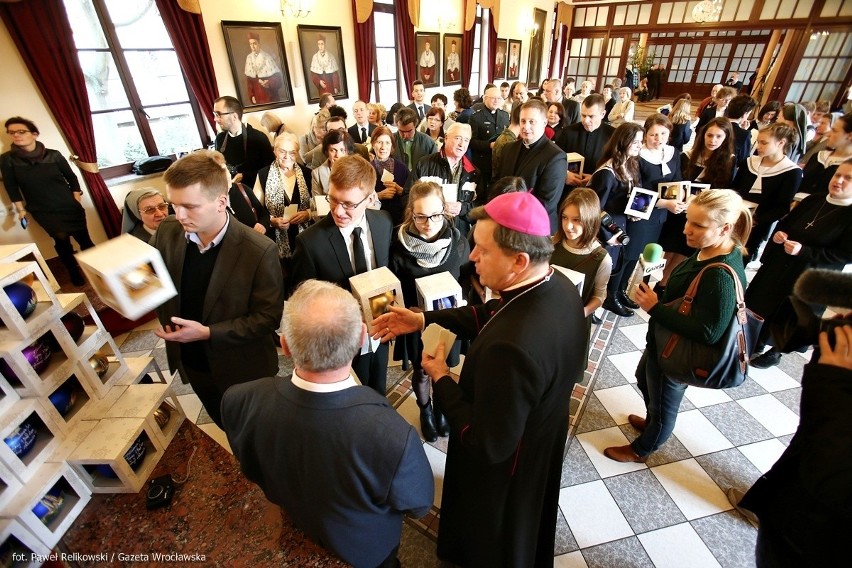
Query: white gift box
[(54, 478), (375, 290), (438, 291), (129, 275), (106, 445)]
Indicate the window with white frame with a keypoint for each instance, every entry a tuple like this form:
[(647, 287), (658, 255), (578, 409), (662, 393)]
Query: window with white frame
[(141, 104)]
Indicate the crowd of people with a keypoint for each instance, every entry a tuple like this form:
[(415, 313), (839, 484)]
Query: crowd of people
[(485, 192)]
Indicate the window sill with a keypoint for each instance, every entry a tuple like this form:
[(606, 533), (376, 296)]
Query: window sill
[(130, 178)]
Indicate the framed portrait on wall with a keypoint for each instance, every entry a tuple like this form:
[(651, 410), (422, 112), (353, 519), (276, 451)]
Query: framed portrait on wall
[(452, 59), (428, 49), (320, 48), (259, 64), (513, 64), (500, 58), (536, 47)]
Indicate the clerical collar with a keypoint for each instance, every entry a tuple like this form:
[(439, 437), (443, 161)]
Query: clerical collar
[(522, 286), (840, 202), (301, 383)]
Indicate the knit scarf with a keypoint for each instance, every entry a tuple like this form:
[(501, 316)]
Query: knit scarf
[(32, 157), (428, 254), (277, 200)]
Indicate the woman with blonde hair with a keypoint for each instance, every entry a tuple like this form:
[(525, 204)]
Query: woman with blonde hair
[(426, 243), (717, 225), (681, 117)]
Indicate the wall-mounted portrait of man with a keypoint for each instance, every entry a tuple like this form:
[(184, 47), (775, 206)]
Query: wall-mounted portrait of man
[(259, 64)]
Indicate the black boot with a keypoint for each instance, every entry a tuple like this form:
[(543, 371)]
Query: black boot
[(427, 423), (613, 304), (443, 426), (626, 301)]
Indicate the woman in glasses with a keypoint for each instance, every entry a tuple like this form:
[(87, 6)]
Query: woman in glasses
[(42, 186), (426, 243), (144, 209)]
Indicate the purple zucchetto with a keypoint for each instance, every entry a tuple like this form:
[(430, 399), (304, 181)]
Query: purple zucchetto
[(521, 212)]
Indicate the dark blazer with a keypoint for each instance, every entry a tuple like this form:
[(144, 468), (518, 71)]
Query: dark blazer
[(423, 145), (426, 109), (485, 128), (543, 167), (590, 145), (355, 132), (322, 253), (242, 306), (572, 110)]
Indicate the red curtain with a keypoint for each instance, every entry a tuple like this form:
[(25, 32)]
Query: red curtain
[(467, 56), (563, 43), (42, 34), (405, 39), (186, 31), (492, 45), (560, 34), (365, 35)]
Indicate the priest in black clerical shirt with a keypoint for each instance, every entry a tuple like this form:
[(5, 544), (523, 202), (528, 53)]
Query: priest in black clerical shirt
[(587, 138)]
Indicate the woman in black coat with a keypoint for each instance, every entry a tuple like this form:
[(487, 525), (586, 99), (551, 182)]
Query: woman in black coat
[(426, 243), (42, 186)]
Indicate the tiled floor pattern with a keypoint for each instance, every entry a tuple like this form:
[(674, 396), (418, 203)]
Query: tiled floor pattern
[(670, 512)]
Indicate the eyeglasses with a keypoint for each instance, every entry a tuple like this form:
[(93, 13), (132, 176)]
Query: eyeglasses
[(333, 203), (221, 114), (162, 207), (17, 132), (423, 218)]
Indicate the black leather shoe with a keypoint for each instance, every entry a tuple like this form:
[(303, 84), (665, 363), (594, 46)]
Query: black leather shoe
[(768, 359), (613, 305), (427, 423), (622, 296), (441, 423)]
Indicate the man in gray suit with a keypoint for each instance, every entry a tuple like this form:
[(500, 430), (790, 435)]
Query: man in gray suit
[(230, 287)]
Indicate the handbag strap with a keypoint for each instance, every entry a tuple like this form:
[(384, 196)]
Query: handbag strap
[(686, 306), (740, 313)]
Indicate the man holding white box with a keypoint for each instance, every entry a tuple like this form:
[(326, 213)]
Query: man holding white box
[(230, 288), (351, 240)]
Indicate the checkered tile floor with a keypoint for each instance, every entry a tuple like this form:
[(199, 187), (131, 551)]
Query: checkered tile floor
[(670, 512)]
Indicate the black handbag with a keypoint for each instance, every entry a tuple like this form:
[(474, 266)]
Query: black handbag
[(721, 365)]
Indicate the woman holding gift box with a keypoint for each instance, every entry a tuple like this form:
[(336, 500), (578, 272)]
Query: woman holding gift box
[(426, 243)]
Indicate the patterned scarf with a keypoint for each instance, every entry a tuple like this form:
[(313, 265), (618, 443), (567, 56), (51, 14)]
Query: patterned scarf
[(428, 254), (277, 200)]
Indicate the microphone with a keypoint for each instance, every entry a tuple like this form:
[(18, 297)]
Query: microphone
[(826, 287), (650, 261)]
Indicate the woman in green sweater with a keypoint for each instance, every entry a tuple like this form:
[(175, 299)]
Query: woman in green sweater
[(717, 225)]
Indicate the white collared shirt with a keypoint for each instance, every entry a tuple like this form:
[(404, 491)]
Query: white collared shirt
[(216, 240), (366, 239), (238, 132), (301, 383)]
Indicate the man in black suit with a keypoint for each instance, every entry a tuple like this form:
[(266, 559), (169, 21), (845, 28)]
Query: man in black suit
[(486, 125), (230, 289), (350, 240), (587, 138), (362, 129), (245, 149), (536, 159), (553, 94), (418, 98)]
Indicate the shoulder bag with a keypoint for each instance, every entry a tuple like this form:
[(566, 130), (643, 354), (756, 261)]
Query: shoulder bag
[(721, 365)]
